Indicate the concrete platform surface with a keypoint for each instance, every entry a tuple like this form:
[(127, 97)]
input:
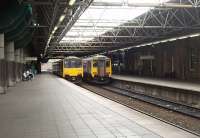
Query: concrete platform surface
[(160, 82), (51, 107)]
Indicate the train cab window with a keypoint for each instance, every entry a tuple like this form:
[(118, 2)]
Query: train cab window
[(107, 63), (101, 63), (73, 64), (79, 64), (94, 63), (66, 64)]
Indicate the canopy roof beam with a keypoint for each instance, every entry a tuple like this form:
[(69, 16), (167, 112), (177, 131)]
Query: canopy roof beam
[(178, 4)]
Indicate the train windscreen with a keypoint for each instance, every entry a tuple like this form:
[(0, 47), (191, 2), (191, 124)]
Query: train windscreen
[(73, 63)]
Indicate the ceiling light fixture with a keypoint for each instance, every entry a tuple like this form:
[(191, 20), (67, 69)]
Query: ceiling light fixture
[(72, 2), (62, 17), (55, 28), (194, 35)]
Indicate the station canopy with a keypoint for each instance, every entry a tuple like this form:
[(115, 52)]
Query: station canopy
[(104, 16), (100, 26)]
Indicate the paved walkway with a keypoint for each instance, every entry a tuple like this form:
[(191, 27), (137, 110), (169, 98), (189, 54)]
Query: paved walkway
[(51, 107)]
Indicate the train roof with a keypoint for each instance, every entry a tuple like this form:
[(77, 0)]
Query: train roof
[(69, 57), (97, 57), (72, 57), (56, 62)]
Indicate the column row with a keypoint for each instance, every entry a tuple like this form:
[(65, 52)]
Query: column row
[(11, 64)]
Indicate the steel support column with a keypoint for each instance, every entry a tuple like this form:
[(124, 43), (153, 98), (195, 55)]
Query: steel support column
[(10, 57), (22, 61), (3, 78), (22, 56), (17, 65)]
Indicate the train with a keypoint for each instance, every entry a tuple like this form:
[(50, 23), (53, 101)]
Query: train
[(70, 68), (97, 69)]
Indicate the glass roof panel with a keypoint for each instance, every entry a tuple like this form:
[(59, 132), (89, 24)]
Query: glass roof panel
[(97, 20)]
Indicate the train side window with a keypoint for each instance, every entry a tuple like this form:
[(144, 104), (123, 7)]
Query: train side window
[(72, 64), (79, 63), (94, 63), (108, 63)]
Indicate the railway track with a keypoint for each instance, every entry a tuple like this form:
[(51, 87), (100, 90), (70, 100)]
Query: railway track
[(170, 106), (184, 109)]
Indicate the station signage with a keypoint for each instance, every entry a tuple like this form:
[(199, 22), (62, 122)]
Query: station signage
[(30, 58), (148, 57)]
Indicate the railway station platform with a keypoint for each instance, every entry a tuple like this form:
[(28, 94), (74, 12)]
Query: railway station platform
[(160, 82), (51, 107), (179, 92)]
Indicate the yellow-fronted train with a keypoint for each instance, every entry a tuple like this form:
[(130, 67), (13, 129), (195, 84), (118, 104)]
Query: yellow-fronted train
[(97, 69), (70, 68)]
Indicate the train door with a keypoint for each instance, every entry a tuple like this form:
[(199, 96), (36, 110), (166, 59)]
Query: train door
[(108, 67), (61, 68), (101, 68), (148, 67), (86, 66), (89, 67)]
